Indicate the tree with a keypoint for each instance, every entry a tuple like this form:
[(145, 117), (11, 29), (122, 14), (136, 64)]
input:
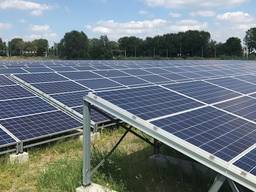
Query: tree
[(2, 48), (132, 45), (233, 47), (74, 45), (29, 48), (41, 46), (16, 46), (100, 48), (250, 40)]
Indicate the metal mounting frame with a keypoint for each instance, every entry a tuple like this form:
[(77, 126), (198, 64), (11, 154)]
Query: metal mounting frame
[(222, 167)]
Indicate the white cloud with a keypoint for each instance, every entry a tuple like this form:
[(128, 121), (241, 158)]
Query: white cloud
[(4, 26), (236, 17), (40, 28), (143, 28), (232, 24), (35, 9), (193, 3), (174, 14), (41, 31), (206, 13), (188, 24)]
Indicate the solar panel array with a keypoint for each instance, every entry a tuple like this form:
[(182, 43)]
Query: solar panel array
[(26, 117), (209, 104)]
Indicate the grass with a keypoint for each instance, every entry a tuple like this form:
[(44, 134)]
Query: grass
[(57, 168)]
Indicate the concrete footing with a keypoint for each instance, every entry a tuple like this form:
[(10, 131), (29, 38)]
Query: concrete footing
[(19, 158), (93, 136), (93, 188)]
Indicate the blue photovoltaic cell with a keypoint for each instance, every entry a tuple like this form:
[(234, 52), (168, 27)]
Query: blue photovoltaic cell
[(37, 126), (5, 139), (41, 77), (149, 102), (244, 107), (214, 131), (136, 72), (155, 78), (81, 75), (248, 162), (129, 81), (11, 92), (111, 73), (5, 81), (235, 84), (19, 107), (203, 91), (61, 69), (12, 70), (38, 69), (71, 99), (59, 87), (191, 75), (99, 83)]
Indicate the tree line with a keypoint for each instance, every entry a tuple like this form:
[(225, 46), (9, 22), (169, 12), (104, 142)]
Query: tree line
[(76, 45)]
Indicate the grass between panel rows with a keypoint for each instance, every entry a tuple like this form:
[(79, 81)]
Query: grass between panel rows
[(57, 167)]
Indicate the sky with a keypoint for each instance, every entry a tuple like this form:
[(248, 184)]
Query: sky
[(31, 19)]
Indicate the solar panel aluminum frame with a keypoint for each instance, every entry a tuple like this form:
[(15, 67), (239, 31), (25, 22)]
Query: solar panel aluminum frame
[(17, 144), (224, 168)]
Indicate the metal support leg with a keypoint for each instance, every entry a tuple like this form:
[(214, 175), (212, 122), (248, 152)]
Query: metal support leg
[(86, 144), (157, 145), (233, 186), (218, 182)]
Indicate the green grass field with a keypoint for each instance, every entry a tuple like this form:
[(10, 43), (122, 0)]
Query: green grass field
[(57, 168)]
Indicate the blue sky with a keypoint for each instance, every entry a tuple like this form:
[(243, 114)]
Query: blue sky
[(32, 19)]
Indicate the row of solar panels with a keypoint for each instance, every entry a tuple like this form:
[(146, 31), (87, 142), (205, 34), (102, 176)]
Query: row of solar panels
[(215, 118), (70, 87)]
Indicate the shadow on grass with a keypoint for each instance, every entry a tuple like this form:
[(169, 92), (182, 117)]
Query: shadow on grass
[(122, 172)]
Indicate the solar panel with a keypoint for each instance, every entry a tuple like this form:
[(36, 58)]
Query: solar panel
[(235, 84), (41, 77), (214, 131), (248, 78), (85, 68), (14, 91), (13, 70), (40, 125), (136, 72), (157, 70), (81, 75), (5, 81), (59, 87), (5, 139), (20, 107), (248, 162), (111, 73), (71, 99), (99, 83), (243, 106), (38, 69), (174, 76), (129, 81), (61, 69), (203, 91), (155, 78), (149, 102)]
